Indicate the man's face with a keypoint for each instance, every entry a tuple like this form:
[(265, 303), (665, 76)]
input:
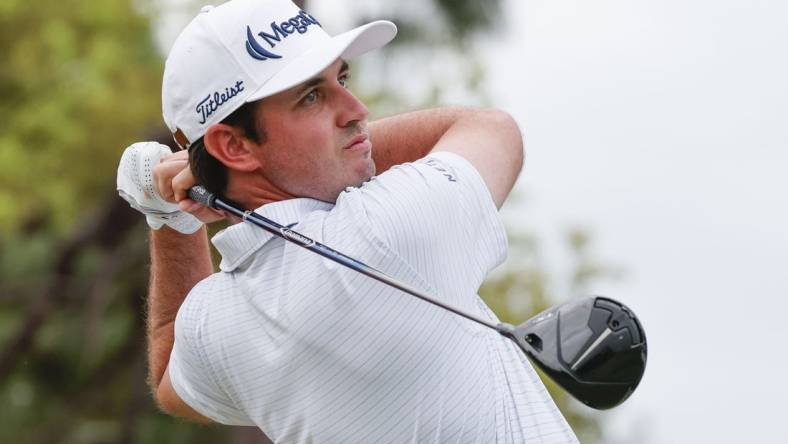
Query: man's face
[(316, 141)]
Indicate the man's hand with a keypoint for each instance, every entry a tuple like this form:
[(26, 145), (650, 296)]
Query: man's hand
[(136, 186), (172, 178)]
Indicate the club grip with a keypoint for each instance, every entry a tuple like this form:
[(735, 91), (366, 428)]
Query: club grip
[(199, 194)]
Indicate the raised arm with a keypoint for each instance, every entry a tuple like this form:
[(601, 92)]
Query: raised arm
[(178, 262), (410, 136), (489, 139)]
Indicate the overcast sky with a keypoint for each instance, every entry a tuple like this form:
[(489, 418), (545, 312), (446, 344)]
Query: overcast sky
[(661, 127)]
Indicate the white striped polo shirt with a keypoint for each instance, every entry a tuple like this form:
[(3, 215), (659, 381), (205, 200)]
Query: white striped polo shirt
[(312, 352)]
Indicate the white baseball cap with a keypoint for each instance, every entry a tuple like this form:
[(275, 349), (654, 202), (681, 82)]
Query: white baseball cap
[(245, 50)]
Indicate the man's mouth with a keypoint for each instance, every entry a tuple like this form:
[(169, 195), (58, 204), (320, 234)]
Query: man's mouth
[(360, 142)]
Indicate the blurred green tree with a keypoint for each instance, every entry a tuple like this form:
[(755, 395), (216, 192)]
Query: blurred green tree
[(79, 81)]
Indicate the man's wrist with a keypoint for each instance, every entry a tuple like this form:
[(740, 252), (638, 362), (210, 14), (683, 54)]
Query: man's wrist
[(181, 222)]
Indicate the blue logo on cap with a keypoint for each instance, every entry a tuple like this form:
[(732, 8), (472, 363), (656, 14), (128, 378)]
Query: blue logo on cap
[(279, 31)]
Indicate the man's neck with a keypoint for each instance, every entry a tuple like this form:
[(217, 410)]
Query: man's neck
[(252, 190)]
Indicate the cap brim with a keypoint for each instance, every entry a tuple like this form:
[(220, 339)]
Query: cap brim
[(347, 45)]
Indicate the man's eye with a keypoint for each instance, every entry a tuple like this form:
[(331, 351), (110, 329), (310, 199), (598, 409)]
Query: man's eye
[(344, 80), (311, 97)]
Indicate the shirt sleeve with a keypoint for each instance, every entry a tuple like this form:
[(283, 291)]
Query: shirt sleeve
[(437, 214), (190, 373)]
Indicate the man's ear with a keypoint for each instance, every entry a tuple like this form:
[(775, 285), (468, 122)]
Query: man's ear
[(229, 146)]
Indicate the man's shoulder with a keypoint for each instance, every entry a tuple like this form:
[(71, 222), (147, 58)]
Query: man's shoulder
[(204, 294), (439, 166), (438, 187), (216, 281), (429, 177)]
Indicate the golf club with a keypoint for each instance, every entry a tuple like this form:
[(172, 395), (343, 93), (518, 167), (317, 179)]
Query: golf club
[(593, 347)]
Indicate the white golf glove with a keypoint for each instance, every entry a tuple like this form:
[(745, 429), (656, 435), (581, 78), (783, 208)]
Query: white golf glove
[(135, 186)]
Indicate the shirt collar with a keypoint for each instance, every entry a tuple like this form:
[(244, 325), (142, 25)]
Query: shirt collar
[(237, 242)]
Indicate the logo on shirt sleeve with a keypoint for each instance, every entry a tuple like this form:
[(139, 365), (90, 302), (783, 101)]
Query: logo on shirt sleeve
[(443, 169)]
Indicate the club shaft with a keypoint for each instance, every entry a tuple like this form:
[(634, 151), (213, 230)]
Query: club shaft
[(199, 194)]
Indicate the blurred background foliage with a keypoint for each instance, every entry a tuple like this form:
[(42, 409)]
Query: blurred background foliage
[(79, 81), (76, 77)]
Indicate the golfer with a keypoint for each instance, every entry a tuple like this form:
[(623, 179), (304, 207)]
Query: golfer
[(255, 91)]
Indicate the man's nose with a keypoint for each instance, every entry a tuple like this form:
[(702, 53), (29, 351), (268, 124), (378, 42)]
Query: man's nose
[(351, 110)]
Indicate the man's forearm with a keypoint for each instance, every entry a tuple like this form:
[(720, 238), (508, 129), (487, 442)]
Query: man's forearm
[(178, 263), (410, 136)]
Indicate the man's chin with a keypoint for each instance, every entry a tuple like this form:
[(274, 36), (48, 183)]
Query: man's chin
[(367, 177), (357, 183)]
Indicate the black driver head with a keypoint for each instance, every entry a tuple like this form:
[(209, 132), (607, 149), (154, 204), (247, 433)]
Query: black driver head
[(594, 348)]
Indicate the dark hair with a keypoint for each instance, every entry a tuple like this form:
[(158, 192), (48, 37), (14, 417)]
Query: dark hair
[(211, 173)]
